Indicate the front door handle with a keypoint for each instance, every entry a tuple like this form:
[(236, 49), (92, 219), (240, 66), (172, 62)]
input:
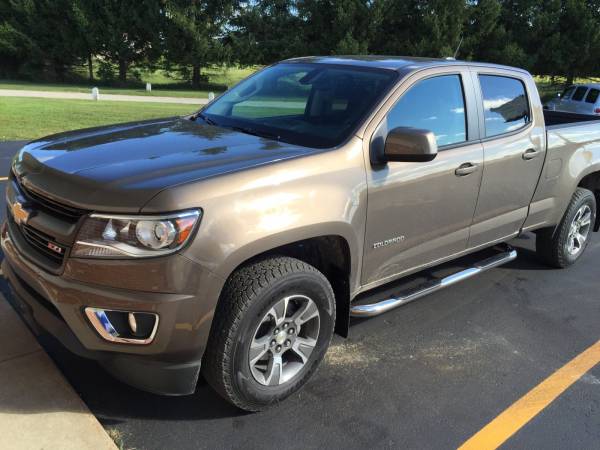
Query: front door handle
[(530, 154), (465, 169)]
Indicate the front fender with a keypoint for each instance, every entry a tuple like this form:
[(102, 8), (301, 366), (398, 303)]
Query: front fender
[(254, 211)]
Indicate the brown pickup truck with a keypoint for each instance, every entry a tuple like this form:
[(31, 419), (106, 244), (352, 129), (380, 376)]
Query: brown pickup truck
[(235, 241)]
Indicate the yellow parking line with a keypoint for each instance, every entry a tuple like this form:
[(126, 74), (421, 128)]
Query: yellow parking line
[(527, 407)]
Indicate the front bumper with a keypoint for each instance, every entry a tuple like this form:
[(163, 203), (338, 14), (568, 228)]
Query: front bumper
[(170, 364)]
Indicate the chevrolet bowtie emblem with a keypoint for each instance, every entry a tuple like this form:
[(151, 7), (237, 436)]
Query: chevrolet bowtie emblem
[(20, 214)]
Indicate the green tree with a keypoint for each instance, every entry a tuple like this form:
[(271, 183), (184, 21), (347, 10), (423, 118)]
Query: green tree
[(545, 39), (88, 40), (15, 48), (266, 31), (194, 33), (335, 26), (418, 27), (579, 30), (127, 31), (47, 33), (486, 36)]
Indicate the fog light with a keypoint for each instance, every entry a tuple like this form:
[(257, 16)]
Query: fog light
[(132, 322), (125, 327)]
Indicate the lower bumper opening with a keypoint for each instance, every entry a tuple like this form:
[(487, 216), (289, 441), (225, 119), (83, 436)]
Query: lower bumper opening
[(123, 327)]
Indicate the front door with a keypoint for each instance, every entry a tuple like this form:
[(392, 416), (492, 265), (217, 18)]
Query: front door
[(420, 212)]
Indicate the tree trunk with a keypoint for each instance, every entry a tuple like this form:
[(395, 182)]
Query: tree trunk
[(90, 68), (122, 71), (196, 76), (59, 71), (570, 78)]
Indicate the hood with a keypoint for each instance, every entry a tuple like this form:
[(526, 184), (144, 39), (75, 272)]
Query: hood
[(120, 168)]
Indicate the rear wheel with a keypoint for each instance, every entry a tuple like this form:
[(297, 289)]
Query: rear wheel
[(564, 245), (271, 330)]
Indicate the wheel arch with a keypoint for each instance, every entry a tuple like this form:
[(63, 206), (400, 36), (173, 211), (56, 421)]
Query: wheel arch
[(331, 254), (591, 182)]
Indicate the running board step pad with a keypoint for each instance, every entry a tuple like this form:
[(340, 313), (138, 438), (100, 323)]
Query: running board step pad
[(374, 309)]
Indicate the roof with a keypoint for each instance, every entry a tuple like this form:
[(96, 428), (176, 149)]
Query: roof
[(398, 63), (588, 85)]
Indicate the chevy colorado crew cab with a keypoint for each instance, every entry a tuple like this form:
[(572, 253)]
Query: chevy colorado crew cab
[(235, 241)]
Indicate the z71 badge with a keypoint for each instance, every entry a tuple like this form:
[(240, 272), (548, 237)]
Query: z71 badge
[(394, 240)]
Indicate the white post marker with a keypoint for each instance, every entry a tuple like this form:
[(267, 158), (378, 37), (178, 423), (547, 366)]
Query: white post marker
[(148, 87), (211, 96), (95, 94)]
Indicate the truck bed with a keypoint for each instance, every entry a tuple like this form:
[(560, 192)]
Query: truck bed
[(573, 152), (556, 119)]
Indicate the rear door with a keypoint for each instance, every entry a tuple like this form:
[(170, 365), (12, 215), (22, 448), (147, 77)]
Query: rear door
[(565, 99), (578, 104), (514, 151), (420, 212)]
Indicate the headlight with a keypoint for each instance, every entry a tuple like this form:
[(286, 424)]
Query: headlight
[(115, 236)]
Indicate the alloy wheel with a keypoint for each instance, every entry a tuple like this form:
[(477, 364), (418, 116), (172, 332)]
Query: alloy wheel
[(284, 340), (579, 230)]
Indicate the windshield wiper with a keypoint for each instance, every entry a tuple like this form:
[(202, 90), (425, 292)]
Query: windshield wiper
[(253, 132), (246, 130), (205, 118)]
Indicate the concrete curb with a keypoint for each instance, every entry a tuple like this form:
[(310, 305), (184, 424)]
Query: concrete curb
[(38, 407)]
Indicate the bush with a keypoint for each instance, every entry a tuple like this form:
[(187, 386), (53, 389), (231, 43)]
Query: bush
[(106, 72)]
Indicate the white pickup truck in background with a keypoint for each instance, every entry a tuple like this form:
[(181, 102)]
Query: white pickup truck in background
[(578, 99)]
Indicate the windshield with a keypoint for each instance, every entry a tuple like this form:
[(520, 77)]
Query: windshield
[(313, 105)]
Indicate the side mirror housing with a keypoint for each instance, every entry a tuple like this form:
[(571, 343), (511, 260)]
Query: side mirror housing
[(410, 145)]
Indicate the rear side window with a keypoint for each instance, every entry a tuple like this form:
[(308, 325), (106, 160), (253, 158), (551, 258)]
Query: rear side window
[(435, 104), (579, 93), (592, 96), (567, 94), (505, 104)]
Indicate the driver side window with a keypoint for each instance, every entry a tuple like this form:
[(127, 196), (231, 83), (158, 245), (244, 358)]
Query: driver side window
[(436, 104)]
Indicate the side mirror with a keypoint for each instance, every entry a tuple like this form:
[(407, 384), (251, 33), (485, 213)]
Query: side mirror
[(410, 145)]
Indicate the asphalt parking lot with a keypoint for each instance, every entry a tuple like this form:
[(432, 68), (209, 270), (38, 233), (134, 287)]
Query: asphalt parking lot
[(428, 375)]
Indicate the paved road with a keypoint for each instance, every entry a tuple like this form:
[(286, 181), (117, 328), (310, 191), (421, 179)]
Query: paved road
[(103, 97), (428, 375)]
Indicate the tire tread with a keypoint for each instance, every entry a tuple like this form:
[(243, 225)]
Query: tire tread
[(243, 286), (550, 242)]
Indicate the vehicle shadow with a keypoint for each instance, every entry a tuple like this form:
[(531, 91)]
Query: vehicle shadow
[(111, 400), (527, 258)]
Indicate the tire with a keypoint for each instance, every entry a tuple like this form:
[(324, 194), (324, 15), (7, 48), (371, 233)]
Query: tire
[(250, 318), (557, 247)]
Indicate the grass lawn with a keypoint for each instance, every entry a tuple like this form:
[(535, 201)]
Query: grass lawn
[(160, 84), (30, 118), (229, 75)]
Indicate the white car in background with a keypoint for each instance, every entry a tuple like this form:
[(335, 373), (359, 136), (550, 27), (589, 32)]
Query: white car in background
[(579, 99)]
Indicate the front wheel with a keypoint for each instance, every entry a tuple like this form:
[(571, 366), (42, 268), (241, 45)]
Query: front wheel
[(564, 245), (271, 330)]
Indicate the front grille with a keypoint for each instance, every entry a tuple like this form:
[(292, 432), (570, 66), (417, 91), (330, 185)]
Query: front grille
[(44, 244), (40, 247), (68, 212)]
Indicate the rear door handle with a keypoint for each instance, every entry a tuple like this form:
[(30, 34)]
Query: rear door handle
[(465, 169), (531, 153)]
